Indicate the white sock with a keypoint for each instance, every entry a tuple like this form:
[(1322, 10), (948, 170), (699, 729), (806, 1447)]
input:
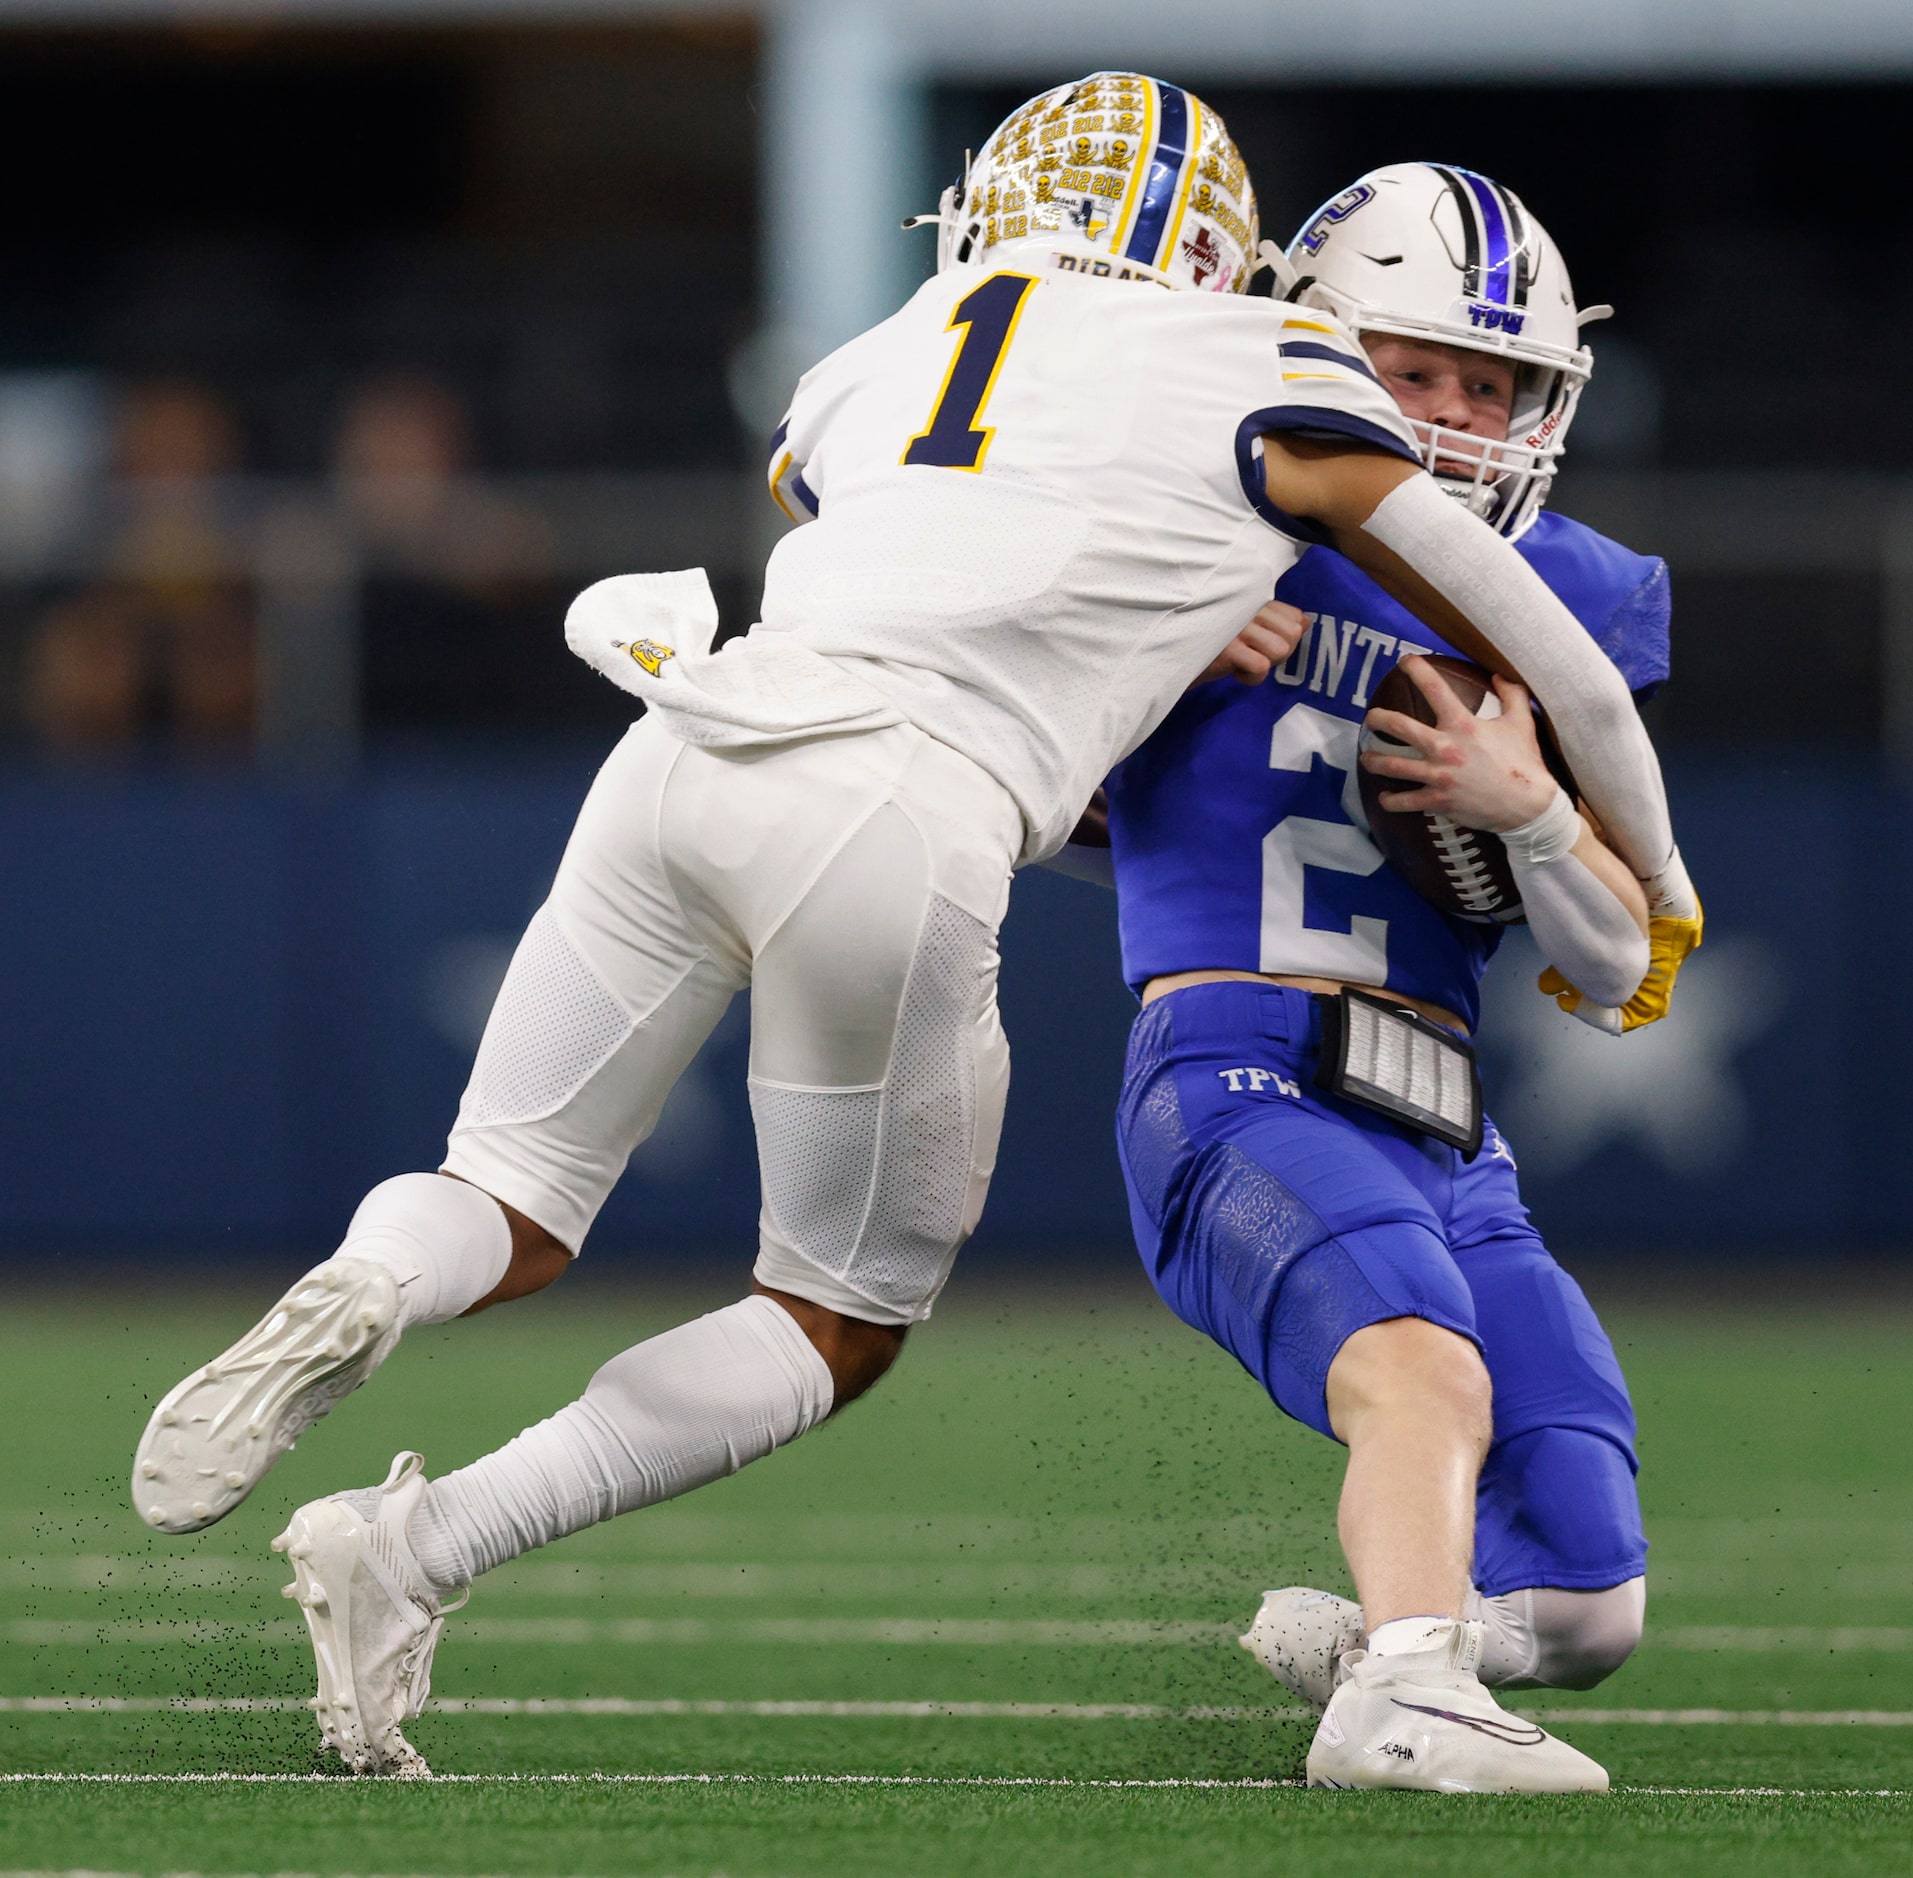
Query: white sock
[(1401, 1635), (667, 1415), (446, 1243)]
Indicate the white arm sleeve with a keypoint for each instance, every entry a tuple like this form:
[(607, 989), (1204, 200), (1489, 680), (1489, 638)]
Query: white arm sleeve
[(1583, 930), (1585, 697)]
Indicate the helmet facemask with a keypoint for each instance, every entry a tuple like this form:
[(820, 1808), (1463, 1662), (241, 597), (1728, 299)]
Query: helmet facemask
[(1402, 253), (1505, 481)]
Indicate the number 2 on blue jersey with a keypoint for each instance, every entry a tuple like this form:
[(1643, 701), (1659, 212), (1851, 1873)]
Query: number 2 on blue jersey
[(954, 438), (1298, 842)]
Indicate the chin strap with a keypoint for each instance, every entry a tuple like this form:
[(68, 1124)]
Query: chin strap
[(1477, 498), (941, 217), (944, 220), (1270, 256)]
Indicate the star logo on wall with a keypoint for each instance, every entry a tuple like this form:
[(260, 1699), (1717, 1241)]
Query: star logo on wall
[(1670, 1091)]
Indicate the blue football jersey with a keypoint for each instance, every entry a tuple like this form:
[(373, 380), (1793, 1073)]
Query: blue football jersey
[(1237, 829)]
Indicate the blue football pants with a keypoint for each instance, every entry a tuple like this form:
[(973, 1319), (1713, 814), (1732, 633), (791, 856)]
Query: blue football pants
[(1280, 1220)]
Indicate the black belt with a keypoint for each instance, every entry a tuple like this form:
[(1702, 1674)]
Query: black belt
[(1384, 1057)]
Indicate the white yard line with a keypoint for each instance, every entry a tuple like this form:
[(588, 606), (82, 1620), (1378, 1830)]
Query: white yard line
[(628, 1780), (1728, 1717), (832, 1780), (839, 1580), (615, 1706), (572, 1632), (965, 1632), (1800, 1639), (626, 1706)]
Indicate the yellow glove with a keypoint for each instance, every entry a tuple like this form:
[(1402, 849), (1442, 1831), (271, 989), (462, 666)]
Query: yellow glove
[(1670, 937)]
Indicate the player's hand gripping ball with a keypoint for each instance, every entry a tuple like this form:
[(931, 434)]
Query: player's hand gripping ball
[(1435, 775)]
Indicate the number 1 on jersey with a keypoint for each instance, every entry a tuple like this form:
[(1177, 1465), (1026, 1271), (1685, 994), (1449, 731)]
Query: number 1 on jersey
[(954, 437)]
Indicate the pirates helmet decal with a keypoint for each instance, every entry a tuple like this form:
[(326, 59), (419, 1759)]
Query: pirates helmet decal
[(1117, 175)]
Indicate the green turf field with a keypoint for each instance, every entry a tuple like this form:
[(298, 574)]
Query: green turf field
[(963, 1630)]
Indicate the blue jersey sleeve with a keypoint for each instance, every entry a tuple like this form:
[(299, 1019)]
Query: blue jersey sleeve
[(1636, 636), (1620, 597)]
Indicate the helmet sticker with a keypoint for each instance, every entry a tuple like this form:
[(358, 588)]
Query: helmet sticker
[(1203, 255), (1333, 213), (1116, 165), (1494, 239), (1495, 319)]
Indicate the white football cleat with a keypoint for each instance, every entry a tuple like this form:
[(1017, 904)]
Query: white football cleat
[(1421, 1719), (374, 1617), (213, 1438), (1300, 1636)]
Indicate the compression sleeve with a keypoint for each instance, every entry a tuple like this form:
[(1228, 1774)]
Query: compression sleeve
[(1585, 697), (1583, 931)]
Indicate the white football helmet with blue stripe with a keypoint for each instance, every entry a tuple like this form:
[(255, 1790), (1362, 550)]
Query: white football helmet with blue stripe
[(1431, 251), (1118, 176)]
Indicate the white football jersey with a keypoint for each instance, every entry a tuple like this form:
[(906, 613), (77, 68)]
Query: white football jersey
[(1040, 511)]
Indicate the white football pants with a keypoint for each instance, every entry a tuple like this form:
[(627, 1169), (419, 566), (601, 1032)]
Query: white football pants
[(855, 884)]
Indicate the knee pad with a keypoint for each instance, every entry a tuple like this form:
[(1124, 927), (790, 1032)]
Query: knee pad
[(446, 1243), (1548, 1638), (1585, 1636)]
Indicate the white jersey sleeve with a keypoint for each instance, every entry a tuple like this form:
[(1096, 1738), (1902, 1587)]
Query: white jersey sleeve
[(788, 488), (1329, 393)]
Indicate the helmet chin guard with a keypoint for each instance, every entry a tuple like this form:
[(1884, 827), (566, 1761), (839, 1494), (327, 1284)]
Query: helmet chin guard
[(1432, 252), (1117, 176)]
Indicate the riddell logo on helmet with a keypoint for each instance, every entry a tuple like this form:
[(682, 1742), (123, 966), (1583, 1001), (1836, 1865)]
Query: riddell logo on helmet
[(1496, 318), (1543, 430)]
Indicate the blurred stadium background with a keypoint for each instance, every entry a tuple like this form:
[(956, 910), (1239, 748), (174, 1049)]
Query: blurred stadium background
[(342, 340)]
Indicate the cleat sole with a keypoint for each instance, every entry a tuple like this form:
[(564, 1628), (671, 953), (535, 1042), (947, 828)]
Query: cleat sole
[(219, 1432)]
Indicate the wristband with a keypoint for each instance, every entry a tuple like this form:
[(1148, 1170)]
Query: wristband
[(1550, 835), (1533, 634)]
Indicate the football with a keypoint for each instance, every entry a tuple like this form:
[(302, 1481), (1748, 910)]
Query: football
[(1463, 871)]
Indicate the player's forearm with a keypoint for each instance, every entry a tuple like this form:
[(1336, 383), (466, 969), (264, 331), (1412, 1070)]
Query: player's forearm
[(1473, 588), (1611, 871), (1587, 913)]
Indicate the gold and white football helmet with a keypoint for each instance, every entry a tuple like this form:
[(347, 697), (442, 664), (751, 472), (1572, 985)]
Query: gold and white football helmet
[(1118, 176)]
